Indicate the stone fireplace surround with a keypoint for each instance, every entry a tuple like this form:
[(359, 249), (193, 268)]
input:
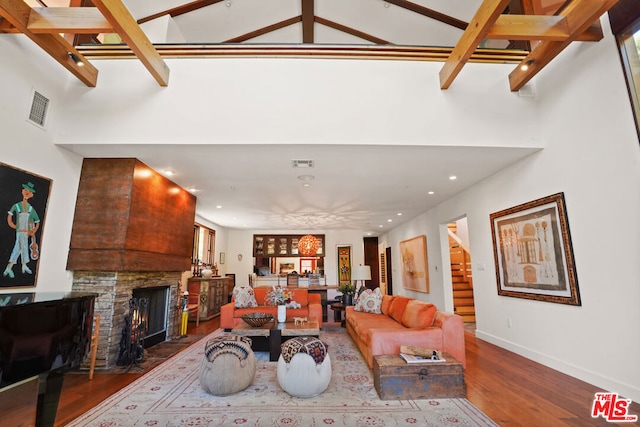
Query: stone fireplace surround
[(114, 289)]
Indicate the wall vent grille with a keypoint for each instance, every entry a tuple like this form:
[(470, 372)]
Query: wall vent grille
[(39, 108), (302, 163)]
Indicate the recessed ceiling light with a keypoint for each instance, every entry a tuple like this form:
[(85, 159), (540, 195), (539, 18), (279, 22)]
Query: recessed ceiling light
[(306, 184), (389, 220), (430, 192), (399, 213), (192, 190), (453, 177), (168, 172), (381, 226), (218, 207)]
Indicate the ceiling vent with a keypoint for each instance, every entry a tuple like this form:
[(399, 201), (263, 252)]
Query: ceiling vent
[(39, 108), (302, 163)]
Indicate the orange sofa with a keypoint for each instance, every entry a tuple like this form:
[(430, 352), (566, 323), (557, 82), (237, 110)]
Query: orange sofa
[(405, 321), (311, 306)]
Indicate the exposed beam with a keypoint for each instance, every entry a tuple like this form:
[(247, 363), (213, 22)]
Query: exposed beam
[(528, 27), (351, 31), (127, 28), (580, 15), (264, 30), (6, 27), (485, 17), (429, 13), (17, 13), (76, 20), (180, 10), (308, 13)]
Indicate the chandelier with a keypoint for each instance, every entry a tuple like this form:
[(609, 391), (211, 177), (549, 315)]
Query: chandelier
[(308, 245)]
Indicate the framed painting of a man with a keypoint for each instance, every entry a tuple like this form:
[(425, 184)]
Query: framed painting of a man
[(23, 198), (533, 253)]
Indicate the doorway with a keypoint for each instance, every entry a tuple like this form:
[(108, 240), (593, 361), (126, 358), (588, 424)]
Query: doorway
[(461, 271)]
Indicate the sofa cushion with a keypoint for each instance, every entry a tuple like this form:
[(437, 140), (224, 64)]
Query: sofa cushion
[(419, 314), (396, 310), (386, 303), (369, 301), (244, 297)]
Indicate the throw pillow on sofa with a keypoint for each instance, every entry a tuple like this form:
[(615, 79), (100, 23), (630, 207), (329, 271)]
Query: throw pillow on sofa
[(369, 301), (396, 310), (419, 314), (244, 297), (386, 303)]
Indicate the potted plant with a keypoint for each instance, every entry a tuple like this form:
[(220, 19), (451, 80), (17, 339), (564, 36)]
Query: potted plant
[(348, 291)]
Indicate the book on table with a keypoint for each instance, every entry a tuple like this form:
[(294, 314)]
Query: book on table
[(414, 358)]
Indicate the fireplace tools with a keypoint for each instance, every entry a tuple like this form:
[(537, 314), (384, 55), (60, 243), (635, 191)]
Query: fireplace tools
[(133, 332)]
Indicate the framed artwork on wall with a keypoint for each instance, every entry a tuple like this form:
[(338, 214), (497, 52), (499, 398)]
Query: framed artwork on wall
[(415, 267), (533, 252), (24, 197), (344, 264)]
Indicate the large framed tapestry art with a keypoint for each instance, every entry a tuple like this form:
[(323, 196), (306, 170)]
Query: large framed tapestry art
[(533, 253)]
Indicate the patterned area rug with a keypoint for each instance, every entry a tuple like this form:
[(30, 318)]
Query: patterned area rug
[(171, 395)]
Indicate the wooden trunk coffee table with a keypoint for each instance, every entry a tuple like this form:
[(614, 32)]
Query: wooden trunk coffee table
[(394, 378), (269, 337)]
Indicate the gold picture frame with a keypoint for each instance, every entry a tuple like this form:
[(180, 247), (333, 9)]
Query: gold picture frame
[(415, 266), (533, 253)]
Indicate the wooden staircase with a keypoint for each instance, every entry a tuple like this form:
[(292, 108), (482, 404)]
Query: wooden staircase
[(463, 304)]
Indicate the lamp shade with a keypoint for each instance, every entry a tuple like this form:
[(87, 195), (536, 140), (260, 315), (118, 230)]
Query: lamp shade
[(308, 245), (361, 272)]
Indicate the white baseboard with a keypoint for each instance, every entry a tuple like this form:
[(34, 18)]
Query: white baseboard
[(607, 384)]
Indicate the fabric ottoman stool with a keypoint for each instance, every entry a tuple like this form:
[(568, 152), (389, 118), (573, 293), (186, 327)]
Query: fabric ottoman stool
[(304, 367), (228, 366)]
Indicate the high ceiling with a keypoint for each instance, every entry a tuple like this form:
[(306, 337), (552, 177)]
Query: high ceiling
[(353, 187)]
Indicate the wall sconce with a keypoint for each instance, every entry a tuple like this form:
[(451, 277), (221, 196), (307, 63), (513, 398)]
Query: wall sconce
[(75, 58), (526, 65)]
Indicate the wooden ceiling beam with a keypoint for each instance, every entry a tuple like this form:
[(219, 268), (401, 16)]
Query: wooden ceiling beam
[(264, 30), (352, 31), (127, 28), (308, 14), (580, 15), (476, 31), (180, 10), (429, 13), (76, 20), (529, 27), (7, 28), (17, 12)]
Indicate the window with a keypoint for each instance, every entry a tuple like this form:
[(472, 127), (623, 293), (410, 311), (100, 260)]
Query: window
[(625, 24), (204, 244)]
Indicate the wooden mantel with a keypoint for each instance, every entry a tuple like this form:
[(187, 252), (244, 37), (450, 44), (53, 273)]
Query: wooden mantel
[(129, 217)]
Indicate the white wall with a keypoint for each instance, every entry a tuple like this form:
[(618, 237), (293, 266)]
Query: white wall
[(28, 147), (593, 156)]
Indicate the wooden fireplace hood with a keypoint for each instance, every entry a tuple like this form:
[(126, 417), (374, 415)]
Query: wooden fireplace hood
[(129, 217)]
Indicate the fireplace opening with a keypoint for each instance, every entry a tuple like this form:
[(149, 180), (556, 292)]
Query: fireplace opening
[(157, 320)]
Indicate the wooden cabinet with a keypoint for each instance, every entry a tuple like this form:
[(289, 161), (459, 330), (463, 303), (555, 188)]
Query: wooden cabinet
[(213, 294), (281, 245)]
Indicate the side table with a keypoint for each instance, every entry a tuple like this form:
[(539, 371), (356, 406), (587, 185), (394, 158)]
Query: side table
[(338, 308)]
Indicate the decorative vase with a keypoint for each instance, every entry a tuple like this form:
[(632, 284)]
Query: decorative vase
[(347, 299), (207, 273), (282, 313)]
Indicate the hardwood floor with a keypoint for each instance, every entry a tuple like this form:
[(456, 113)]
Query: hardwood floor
[(510, 389)]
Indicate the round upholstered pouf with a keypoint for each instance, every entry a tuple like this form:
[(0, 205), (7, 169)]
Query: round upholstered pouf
[(228, 366), (304, 367)]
